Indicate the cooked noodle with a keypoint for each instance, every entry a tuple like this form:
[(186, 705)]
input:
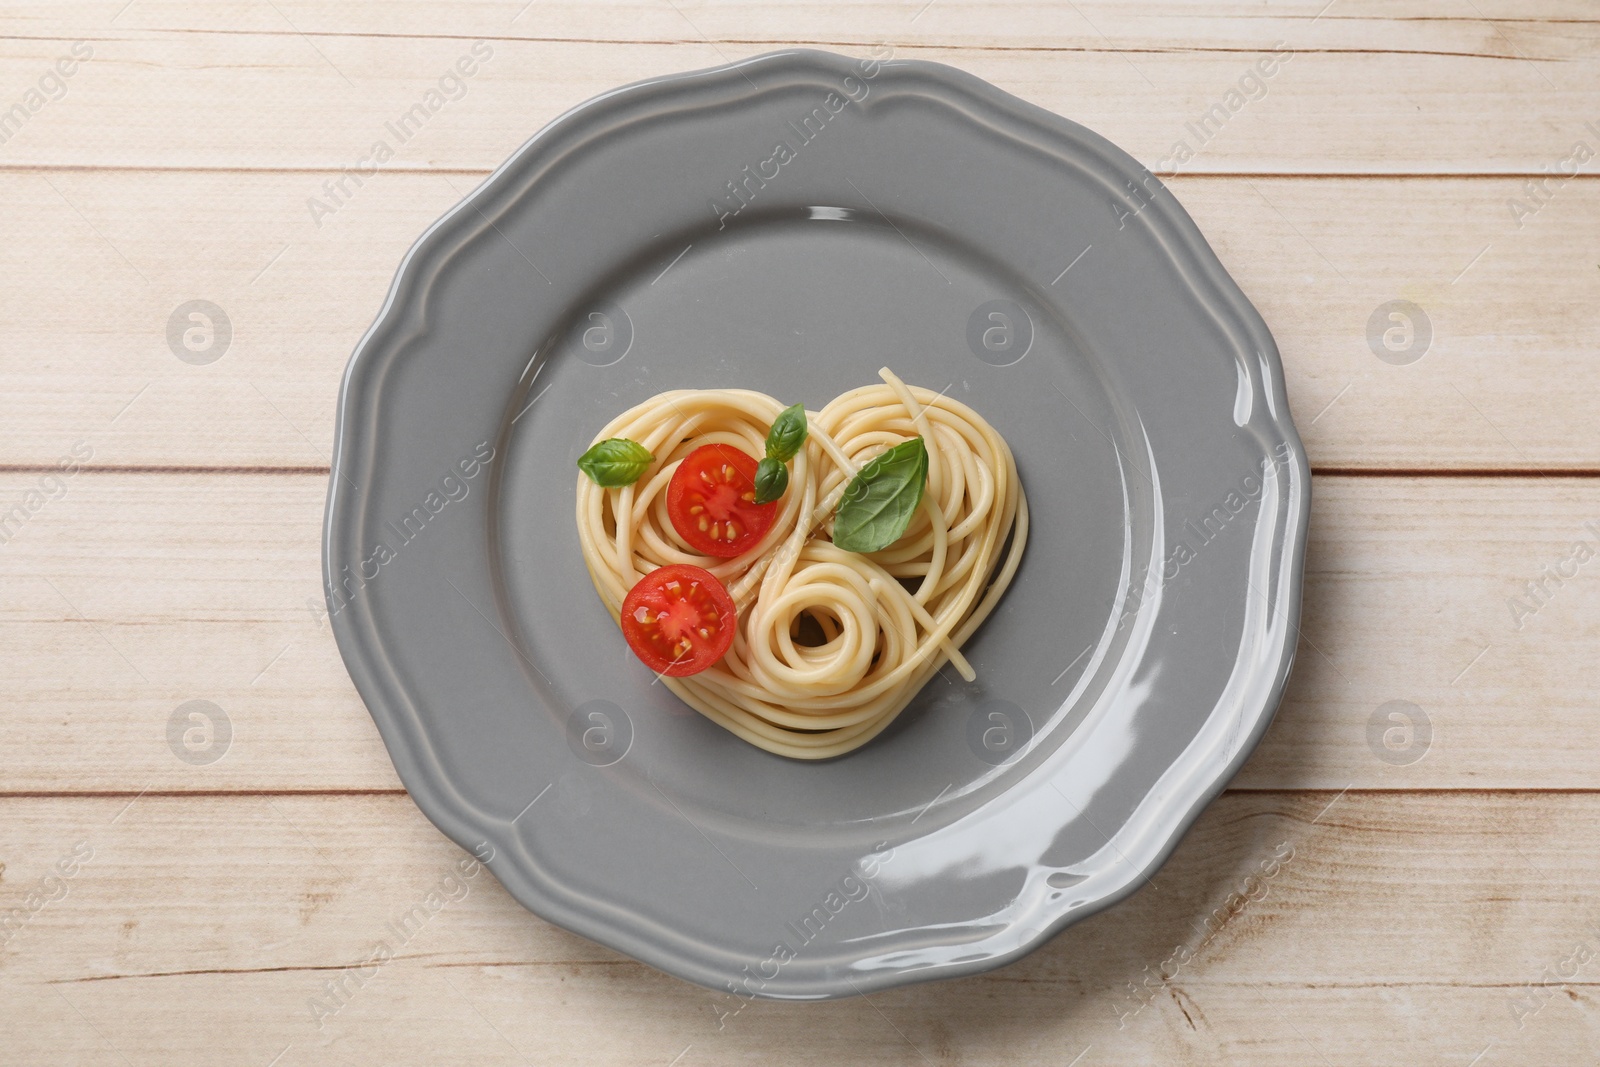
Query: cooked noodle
[(885, 621)]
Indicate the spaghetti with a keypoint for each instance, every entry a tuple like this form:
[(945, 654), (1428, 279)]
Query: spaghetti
[(830, 645)]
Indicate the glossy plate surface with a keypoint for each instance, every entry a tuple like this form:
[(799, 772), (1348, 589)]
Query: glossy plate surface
[(791, 223)]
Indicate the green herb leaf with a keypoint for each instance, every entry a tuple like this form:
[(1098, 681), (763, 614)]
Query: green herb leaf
[(772, 478), (788, 433), (879, 502), (616, 462)]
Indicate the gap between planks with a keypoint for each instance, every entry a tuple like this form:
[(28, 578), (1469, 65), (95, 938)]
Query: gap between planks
[(483, 172), (1322, 472), (773, 43), (1231, 791)]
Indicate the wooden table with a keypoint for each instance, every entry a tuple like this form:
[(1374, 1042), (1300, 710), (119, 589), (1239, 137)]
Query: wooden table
[(199, 883)]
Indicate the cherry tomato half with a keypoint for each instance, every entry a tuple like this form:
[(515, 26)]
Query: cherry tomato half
[(712, 502), (679, 620)]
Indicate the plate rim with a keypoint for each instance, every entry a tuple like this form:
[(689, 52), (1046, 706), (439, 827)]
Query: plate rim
[(418, 765)]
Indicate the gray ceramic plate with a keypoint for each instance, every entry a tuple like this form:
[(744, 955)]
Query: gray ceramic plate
[(659, 237)]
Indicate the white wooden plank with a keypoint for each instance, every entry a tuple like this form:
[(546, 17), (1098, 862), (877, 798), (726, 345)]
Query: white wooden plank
[(98, 263), (1368, 88), (131, 594), (208, 931)]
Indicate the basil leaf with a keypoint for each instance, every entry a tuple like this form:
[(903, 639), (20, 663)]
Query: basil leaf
[(772, 478), (788, 433), (879, 502), (616, 462)]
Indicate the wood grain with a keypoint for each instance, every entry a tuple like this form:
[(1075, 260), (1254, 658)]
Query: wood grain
[(133, 593), (1440, 891), (1370, 89), (202, 930), (1514, 327)]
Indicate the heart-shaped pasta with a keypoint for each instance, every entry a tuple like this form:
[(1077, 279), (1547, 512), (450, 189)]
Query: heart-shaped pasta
[(830, 645)]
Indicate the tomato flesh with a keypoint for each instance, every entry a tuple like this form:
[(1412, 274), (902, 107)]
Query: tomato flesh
[(712, 502), (678, 620)]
